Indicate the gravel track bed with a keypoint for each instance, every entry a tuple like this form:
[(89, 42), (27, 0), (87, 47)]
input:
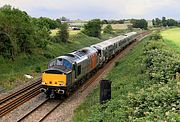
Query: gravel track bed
[(64, 112), (42, 111), (21, 111)]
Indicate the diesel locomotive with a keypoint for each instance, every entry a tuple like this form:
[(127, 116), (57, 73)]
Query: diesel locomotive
[(74, 68)]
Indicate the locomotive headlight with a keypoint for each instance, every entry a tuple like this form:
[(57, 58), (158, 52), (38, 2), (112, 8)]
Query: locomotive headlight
[(61, 84), (43, 83)]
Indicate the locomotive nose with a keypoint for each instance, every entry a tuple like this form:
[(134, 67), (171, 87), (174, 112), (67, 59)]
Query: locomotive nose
[(53, 79)]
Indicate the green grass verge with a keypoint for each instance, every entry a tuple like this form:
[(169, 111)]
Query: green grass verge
[(172, 37), (134, 96)]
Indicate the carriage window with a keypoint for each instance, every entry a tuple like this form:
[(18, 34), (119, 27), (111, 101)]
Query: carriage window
[(99, 52), (79, 70)]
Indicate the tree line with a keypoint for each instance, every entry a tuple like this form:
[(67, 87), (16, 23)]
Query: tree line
[(164, 22)]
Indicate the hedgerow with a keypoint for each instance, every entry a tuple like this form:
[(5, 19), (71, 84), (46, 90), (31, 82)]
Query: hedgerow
[(161, 62)]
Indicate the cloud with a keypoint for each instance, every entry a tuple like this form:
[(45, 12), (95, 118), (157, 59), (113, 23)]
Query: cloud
[(88, 9)]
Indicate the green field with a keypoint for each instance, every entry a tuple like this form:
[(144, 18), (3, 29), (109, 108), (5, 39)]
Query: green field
[(71, 32), (172, 37)]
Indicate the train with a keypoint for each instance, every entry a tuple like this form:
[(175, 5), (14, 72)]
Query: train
[(72, 69)]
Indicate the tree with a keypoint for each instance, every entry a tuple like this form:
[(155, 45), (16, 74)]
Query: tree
[(93, 28), (164, 22), (63, 34), (6, 46), (108, 29), (63, 19), (17, 25), (142, 23), (171, 22), (154, 22), (46, 22), (158, 22), (19, 34), (104, 22)]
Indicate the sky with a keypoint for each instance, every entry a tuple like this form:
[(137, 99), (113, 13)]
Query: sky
[(103, 9)]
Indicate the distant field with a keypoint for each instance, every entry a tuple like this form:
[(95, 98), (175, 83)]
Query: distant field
[(172, 37), (71, 32), (117, 26)]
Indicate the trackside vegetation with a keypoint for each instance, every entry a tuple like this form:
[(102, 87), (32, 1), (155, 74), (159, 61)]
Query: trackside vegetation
[(145, 87)]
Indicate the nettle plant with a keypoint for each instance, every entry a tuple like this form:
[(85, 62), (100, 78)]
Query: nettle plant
[(161, 62)]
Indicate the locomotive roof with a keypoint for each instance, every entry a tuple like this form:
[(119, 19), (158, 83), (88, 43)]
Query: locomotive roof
[(111, 41), (79, 55), (60, 68)]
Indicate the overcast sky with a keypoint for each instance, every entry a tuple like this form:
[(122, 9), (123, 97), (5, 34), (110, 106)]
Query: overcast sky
[(104, 9)]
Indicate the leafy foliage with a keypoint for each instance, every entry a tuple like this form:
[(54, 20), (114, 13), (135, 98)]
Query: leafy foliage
[(63, 34), (108, 29), (142, 23), (19, 33), (93, 28), (161, 62), (164, 22), (155, 36), (46, 22)]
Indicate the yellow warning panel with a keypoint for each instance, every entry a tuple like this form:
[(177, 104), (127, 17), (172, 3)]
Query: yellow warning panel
[(54, 79)]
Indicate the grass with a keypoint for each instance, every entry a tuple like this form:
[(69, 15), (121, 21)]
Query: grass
[(11, 72), (124, 79), (117, 26), (71, 32), (172, 37), (134, 96)]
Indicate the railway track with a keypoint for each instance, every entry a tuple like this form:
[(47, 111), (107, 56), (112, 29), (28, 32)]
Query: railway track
[(48, 102), (14, 100)]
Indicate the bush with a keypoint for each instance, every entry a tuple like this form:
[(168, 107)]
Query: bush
[(158, 102), (156, 36), (108, 29), (63, 34), (161, 62), (93, 28), (38, 69)]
